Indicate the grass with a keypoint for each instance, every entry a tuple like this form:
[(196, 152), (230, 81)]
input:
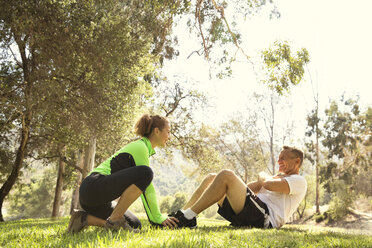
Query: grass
[(210, 233)]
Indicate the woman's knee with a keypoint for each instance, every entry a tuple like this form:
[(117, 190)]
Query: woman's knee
[(146, 174)]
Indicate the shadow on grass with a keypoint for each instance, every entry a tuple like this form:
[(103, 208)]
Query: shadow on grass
[(28, 223)]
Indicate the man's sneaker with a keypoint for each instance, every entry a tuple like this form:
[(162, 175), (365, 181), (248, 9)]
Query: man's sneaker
[(183, 222), (78, 221), (172, 214), (119, 224)]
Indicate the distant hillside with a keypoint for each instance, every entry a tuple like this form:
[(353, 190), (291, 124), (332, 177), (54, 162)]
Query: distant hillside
[(169, 176)]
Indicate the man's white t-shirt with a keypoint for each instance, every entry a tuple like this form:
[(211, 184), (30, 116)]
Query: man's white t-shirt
[(281, 206)]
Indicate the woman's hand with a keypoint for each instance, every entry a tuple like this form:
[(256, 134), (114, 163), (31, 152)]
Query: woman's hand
[(171, 222)]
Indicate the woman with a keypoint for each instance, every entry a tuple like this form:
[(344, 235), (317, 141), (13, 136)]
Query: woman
[(126, 175)]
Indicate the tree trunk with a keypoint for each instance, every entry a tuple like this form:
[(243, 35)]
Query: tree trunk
[(59, 189), (75, 194), (7, 186), (89, 156), (272, 134), (25, 132), (272, 154), (87, 164), (317, 166)]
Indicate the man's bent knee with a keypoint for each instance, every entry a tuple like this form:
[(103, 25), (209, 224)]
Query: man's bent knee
[(226, 173), (227, 176), (209, 178)]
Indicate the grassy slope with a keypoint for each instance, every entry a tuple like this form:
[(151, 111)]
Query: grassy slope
[(211, 233)]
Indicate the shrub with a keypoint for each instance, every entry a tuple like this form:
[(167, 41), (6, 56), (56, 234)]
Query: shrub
[(180, 199), (165, 205), (342, 199)]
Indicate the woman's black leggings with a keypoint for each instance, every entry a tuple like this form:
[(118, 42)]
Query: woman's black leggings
[(98, 191)]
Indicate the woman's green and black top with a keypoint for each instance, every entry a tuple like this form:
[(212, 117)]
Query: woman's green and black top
[(139, 151)]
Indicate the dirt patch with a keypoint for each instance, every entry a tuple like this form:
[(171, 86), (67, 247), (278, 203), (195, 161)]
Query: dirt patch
[(355, 220)]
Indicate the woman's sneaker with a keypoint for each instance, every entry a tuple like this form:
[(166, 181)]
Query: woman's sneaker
[(183, 221), (78, 221), (119, 224)]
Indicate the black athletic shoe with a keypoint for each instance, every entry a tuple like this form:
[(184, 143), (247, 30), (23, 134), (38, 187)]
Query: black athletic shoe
[(173, 214), (183, 222)]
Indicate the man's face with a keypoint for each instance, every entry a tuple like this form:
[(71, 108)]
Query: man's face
[(288, 163)]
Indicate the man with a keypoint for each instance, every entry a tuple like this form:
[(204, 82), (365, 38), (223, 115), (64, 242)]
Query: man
[(265, 203)]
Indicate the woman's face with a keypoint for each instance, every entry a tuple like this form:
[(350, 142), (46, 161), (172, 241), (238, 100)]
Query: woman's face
[(163, 136)]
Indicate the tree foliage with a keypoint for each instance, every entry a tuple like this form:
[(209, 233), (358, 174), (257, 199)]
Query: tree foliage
[(347, 136), (72, 69), (283, 67), (178, 100), (33, 198), (215, 24), (240, 147)]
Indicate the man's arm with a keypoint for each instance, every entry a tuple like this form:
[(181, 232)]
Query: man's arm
[(255, 186), (277, 184)]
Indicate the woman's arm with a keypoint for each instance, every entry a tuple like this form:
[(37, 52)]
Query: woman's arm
[(150, 203)]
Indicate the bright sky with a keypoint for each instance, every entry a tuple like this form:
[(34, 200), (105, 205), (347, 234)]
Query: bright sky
[(337, 35)]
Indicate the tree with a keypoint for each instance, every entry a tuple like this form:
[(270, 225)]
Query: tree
[(31, 198), (266, 111), (62, 58), (178, 100), (74, 66), (313, 153), (347, 135), (281, 69), (215, 25), (59, 188), (240, 147)]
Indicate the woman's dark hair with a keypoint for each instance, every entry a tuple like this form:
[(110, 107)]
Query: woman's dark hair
[(147, 123)]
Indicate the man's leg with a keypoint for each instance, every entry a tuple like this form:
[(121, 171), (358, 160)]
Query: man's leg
[(225, 183), (200, 190)]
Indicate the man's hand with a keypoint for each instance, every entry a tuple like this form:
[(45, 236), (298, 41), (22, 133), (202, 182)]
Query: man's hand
[(263, 177), (255, 186), (276, 183)]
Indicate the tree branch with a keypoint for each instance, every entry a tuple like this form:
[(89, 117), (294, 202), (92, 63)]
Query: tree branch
[(70, 163), (222, 12), (197, 15)]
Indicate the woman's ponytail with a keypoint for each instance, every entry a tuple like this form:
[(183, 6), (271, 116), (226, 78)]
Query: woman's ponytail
[(147, 123)]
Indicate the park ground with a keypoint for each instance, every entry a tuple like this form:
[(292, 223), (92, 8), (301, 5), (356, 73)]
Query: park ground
[(210, 233), (356, 221), (359, 219)]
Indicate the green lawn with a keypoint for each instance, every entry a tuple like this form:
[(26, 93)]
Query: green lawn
[(210, 233)]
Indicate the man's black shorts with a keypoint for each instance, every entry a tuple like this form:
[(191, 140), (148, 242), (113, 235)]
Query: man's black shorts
[(254, 214)]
